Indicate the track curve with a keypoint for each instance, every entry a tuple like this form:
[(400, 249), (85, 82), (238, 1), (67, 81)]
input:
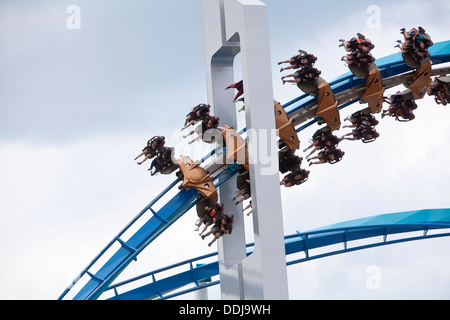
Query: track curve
[(344, 233)]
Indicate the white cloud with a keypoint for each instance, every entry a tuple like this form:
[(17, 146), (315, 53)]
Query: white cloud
[(60, 205)]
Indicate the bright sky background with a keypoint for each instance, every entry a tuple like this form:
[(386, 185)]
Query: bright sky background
[(76, 107)]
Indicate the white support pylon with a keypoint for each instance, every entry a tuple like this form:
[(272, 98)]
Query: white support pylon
[(219, 56), (230, 27)]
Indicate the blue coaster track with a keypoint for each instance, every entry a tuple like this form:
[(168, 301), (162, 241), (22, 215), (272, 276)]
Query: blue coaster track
[(381, 226)]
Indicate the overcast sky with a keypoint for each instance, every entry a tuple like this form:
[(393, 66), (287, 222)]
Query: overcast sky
[(77, 105)]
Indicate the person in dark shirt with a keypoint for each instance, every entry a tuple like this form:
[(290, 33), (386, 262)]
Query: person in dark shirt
[(295, 178), (222, 225), (198, 113), (363, 133), (151, 150), (215, 209), (208, 123), (162, 161), (301, 60), (331, 156)]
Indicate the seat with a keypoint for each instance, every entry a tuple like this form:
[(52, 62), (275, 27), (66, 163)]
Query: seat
[(444, 80), (237, 150), (309, 87), (410, 61), (374, 90), (361, 71), (203, 203), (421, 80), (196, 177), (328, 106), (285, 128)]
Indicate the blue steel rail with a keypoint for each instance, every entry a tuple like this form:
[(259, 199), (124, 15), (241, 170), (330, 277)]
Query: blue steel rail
[(381, 226), (158, 223), (183, 201)]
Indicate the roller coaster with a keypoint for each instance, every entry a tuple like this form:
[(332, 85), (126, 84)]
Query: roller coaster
[(200, 180)]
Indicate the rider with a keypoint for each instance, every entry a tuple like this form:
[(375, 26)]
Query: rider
[(306, 74), (249, 206), (244, 192), (331, 156), (162, 161), (440, 89), (290, 163), (417, 42), (400, 107), (198, 113), (239, 86), (359, 43), (151, 150), (359, 51), (209, 122), (222, 225), (322, 141), (301, 60), (215, 209), (363, 133), (359, 58), (361, 119), (294, 178)]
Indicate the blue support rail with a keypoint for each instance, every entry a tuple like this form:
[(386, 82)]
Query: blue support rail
[(341, 233)]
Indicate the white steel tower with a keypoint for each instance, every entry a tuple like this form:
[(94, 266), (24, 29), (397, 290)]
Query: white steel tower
[(232, 27)]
